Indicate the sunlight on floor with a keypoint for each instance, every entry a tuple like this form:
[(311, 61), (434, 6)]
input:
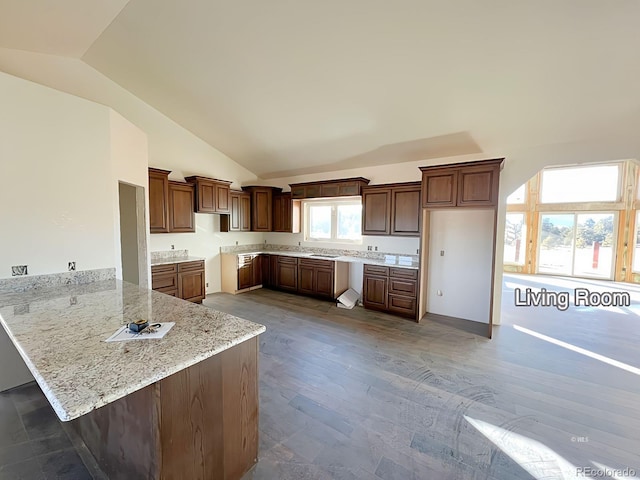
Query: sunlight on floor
[(536, 458), (582, 351)]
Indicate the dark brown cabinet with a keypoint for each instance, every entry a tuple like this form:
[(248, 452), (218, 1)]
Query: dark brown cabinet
[(185, 280), (287, 273), (391, 289), (170, 204), (316, 277), (239, 219), (392, 209), (181, 218), (286, 213), (344, 187), (158, 200), (212, 195), (472, 184), (249, 271), (261, 207)]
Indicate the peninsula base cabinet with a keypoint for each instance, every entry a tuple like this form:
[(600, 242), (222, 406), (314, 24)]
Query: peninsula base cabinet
[(391, 289), (154, 433), (184, 280)]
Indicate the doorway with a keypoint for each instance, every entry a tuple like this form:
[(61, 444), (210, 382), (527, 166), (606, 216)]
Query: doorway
[(133, 240)]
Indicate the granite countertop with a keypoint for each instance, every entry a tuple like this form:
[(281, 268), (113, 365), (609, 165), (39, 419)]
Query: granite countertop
[(388, 261), (60, 334), (177, 259)]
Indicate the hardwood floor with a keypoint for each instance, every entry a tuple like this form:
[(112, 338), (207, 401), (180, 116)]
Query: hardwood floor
[(364, 395)]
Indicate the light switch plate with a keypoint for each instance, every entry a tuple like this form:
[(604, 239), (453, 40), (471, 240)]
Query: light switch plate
[(18, 270)]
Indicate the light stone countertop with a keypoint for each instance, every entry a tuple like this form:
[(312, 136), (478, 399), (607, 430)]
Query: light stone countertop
[(178, 259), (60, 334), (390, 261)]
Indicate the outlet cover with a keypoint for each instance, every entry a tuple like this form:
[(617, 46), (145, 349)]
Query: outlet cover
[(18, 270), (72, 266)]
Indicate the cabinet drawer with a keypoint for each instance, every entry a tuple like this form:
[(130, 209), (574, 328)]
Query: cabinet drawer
[(169, 268), (402, 305), (283, 259), (403, 273), (191, 266), (376, 270), (400, 286), (164, 281), (308, 262), (168, 291)]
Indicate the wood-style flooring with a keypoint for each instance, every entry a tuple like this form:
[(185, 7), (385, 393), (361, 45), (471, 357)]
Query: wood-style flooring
[(364, 395)]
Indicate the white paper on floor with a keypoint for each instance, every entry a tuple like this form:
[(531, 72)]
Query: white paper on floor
[(348, 299)]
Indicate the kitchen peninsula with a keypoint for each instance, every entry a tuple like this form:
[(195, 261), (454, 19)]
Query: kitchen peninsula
[(185, 406)]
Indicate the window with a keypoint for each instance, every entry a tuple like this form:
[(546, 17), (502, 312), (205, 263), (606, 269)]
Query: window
[(517, 197), (598, 183), (515, 234), (334, 221)]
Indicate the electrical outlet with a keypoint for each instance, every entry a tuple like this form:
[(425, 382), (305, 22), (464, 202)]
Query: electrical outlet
[(376, 249), (236, 242), (298, 243), (265, 242), (173, 247), (439, 293), (72, 266), (442, 253), (206, 285), (369, 247), (417, 251), (18, 270)]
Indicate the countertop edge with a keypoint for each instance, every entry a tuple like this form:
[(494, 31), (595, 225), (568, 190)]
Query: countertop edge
[(341, 258)]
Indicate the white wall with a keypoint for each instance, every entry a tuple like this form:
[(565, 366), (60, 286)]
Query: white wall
[(463, 274), (56, 201)]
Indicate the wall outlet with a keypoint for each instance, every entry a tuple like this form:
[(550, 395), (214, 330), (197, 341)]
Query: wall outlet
[(298, 243), (206, 285), (439, 293), (417, 251), (442, 253), (72, 266), (173, 247), (265, 242), (236, 242), (376, 249), (18, 270)]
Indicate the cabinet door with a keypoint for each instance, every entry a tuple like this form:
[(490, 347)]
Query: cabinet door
[(245, 277), (402, 305), (288, 276), (306, 283), (206, 197), (245, 213), (181, 218), (222, 198), (439, 188), (376, 206), (375, 292), (158, 201), (266, 270), (406, 211), (273, 271), (478, 186), (279, 214), (236, 214), (191, 286), (261, 211), (324, 284), (256, 264)]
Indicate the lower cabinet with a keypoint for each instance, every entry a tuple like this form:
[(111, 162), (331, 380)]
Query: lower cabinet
[(316, 277), (184, 280), (249, 271), (287, 273), (391, 289)]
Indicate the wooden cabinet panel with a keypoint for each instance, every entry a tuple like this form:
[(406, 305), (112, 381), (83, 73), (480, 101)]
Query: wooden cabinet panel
[(471, 184), (245, 276), (403, 273), (212, 195), (376, 207), (329, 188), (375, 292), (266, 270), (261, 207), (402, 305), (185, 280), (158, 200), (256, 263), (399, 286), (324, 282), (406, 211), (181, 217), (306, 283), (376, 270), (477, 186), (439, 188), (288, 273), (239, 218), (273, 270), (392, 209)]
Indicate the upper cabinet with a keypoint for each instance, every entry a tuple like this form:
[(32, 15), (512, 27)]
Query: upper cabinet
[(239, 220), (212, 195), (170, 204), (286, 213), (158, 200), (472, 184), (344, 187), (392, 209), (261, 207)]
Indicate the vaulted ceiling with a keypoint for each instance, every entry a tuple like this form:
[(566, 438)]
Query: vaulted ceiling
[(298, 86)]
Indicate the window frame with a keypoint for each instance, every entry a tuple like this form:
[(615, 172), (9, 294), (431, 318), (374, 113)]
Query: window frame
[(334, 203)]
